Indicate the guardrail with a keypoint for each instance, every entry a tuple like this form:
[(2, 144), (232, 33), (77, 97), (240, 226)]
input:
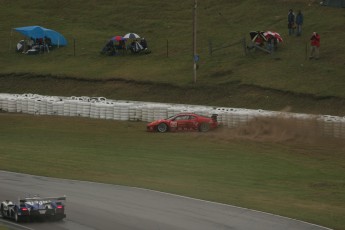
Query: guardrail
[(102, 108)]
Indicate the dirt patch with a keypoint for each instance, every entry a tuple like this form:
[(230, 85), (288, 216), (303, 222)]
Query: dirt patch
[(280, 130)]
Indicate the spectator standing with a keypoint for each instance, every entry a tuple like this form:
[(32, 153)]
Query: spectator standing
[(299, 23), (291, 22), (315, 46)]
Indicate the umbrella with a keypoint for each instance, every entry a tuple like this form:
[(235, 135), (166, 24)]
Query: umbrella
[(131, 36), (267, 34), (117, 38), (40, 32), (257, 36)]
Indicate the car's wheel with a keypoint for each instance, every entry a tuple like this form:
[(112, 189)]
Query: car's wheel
[(162, 128), (2, 212), (16, 217), (204, 127)]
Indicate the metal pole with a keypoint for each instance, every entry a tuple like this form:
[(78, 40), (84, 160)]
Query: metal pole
[(194, 39), (9, 49), (210, 47), (244, 45), (74, 47)]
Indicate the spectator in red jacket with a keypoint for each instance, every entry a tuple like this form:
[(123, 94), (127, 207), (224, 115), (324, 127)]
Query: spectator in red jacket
[(315, 46)]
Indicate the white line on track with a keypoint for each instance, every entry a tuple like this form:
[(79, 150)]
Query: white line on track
[(9, 223)]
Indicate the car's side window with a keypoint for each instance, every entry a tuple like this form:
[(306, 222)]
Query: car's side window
[(177, 118), (181, 118)]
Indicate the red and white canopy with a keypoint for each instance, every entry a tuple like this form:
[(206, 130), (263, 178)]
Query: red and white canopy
[(268, 34)]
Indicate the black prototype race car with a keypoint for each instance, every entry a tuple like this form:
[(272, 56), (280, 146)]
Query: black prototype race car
[(50, 208)]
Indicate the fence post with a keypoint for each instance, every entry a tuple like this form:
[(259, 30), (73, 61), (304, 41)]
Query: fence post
[(210, 46), (9, 48), (244, 46), (74, 47), (167, 48)]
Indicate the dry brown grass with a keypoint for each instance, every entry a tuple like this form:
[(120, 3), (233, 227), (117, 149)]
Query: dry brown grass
[(280, 130)]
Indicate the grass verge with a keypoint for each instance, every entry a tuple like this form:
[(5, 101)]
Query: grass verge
[(294, 178)]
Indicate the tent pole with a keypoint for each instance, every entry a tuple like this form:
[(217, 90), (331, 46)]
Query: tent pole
[(44, 42)]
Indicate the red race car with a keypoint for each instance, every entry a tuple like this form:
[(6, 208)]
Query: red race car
[(184, 122)]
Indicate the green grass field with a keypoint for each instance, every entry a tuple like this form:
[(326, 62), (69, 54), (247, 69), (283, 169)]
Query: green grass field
[(91, 24), (299, 179), (303, 179)]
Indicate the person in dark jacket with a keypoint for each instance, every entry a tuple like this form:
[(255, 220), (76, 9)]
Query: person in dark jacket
[(299, 23), (315, 46), (291, 22), (143, 42)]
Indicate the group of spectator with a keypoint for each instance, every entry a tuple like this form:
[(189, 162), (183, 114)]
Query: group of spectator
[(135, 46), (296, 22), (34, 45)]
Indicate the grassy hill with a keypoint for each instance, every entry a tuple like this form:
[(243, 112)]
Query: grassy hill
[(251, 174), (228, 77)]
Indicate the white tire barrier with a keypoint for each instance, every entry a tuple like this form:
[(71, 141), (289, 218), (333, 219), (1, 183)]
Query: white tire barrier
[(102, 108)]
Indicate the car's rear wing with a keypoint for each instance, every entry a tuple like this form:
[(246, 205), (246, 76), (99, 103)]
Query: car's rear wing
[(42, 198)]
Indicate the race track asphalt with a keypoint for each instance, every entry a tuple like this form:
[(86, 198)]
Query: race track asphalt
[(92, 206)]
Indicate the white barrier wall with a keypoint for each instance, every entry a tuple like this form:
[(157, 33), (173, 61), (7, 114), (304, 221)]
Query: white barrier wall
[(102, 108)]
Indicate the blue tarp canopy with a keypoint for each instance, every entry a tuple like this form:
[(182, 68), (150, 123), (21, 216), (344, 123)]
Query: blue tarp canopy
[(40, 32)]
